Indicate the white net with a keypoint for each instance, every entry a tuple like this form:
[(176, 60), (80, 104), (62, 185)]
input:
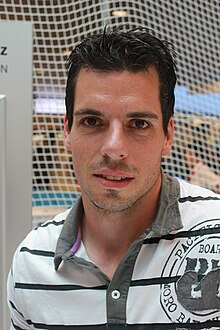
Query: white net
[(193, 28)]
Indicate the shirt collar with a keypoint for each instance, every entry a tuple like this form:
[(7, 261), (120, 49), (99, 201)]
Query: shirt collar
[(69, 232), (168, 216)]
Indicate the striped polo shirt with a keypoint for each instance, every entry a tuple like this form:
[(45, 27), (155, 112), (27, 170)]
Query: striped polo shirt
[(168, 279)]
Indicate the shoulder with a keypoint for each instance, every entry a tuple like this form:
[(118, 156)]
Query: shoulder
[(43, 238), (198, 204), (196, 192)]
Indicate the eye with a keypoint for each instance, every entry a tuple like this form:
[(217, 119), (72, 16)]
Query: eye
[(90, 121), (140, 124)]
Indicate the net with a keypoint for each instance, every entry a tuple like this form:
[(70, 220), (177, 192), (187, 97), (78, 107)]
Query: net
[(192, 26)]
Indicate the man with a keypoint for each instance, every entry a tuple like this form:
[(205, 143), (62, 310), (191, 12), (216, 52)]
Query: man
[(139, 249)]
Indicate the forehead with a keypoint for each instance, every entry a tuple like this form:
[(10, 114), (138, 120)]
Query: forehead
[(118, 90)]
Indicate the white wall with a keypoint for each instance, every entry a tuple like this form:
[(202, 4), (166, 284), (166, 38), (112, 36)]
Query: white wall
[(16, 48)]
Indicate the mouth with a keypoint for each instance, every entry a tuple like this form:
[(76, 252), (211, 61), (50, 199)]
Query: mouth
[(112, 177), (113, 181)]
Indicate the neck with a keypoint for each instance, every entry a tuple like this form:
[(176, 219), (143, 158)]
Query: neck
[(108, 235), (109, 228)]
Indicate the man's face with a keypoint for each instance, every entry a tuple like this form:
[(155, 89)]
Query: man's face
[(117, 138)]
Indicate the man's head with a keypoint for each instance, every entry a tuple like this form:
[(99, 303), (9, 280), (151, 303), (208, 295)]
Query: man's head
[(133, 51)]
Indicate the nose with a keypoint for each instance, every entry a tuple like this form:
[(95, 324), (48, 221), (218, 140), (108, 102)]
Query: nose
[(115, 144)]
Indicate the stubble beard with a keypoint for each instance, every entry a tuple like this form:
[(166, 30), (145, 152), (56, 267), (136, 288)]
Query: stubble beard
[(113, 201)]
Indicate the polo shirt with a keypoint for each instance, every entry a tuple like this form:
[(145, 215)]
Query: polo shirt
[(168, 279)]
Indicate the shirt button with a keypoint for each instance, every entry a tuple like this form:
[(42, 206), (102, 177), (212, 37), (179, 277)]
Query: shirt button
[(115, 294)]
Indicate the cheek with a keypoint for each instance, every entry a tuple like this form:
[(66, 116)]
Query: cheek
[(150, 148), (76, 150), (148, 156), (76, 146), (81, 154), (78, 165)]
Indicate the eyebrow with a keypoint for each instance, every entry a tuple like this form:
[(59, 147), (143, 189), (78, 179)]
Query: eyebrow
[(140, 114), (86, 111), (135, 114)]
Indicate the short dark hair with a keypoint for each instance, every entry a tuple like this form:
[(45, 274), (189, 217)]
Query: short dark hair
[(119, 50)]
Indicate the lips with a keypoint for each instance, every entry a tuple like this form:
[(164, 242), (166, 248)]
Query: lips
[(113, 181)]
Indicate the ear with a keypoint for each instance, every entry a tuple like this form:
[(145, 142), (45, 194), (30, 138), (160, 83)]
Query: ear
[(67, 134), (168, 138)]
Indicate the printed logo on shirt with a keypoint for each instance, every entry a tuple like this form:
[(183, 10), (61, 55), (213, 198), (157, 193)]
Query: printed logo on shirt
[(192, 289)]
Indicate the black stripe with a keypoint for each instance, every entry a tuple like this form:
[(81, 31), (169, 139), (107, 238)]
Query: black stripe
[(198, 198), (59, 287), (48, 223), (66, 287), (155, 281), (146, 326), (38, 252), (70, 327), (184, 234)]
